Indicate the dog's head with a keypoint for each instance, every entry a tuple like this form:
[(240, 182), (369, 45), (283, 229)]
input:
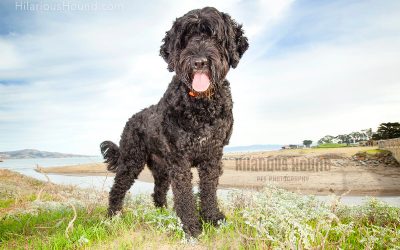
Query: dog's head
[(201, 46)]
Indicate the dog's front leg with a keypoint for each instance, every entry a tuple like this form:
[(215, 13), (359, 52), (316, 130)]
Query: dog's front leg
[(184, 201), (209, 173)]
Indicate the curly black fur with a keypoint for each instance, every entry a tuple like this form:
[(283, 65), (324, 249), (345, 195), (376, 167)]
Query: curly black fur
[(110, 151), (183, 131)]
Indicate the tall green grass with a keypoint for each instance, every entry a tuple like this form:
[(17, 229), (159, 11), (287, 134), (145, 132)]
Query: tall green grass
[(272, 218), (332, 145)]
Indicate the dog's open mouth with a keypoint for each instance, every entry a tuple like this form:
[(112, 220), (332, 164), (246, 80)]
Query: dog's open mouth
[(201, 81), (202, 85)]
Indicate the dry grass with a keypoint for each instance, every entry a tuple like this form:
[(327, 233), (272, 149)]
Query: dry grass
[(269, 219)]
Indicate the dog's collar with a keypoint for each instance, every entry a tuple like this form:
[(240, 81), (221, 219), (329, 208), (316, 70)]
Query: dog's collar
[(208, 93), (193, 94)]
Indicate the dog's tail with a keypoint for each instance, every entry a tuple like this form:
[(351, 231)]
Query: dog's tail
[(110, 152)]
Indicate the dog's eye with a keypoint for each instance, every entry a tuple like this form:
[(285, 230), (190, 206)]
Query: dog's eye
[(208, 31), (205, 29), (184, 41)]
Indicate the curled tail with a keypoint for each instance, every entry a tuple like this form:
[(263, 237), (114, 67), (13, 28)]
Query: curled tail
[(110, 152)]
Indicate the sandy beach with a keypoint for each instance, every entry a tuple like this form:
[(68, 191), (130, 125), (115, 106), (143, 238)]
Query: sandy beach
[(309, 171)]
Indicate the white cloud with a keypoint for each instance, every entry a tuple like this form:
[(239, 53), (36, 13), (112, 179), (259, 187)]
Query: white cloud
[(82, 75), (9, 56), (264, 15), (328, 89)]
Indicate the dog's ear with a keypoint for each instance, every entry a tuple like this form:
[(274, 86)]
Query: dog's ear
[(237, 43), (165, 51), (168, 46)]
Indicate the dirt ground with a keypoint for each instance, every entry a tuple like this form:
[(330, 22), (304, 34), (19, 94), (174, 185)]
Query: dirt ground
[(309, 171)]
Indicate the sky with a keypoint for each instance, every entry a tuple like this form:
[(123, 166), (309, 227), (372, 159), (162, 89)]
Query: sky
[(73, 72)]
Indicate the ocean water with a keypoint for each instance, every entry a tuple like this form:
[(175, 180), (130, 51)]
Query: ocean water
[(27, 167)]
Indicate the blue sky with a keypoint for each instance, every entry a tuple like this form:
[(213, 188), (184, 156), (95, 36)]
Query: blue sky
[(70, 79)]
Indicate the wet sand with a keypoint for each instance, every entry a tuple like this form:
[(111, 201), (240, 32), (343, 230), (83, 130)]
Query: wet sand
[(308, 171)]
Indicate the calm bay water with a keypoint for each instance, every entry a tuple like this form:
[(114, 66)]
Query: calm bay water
[(27, 167)]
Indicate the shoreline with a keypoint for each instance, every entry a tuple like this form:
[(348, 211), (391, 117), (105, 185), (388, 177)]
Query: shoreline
[(314, 191), (308, 171)]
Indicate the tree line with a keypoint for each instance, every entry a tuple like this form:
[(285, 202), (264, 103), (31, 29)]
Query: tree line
[(385, 131)]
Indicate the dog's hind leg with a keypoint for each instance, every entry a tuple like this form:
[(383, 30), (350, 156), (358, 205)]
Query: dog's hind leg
[(161, 183), (123, 181)]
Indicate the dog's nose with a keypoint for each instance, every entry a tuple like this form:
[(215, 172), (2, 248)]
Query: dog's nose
[(200, 63)]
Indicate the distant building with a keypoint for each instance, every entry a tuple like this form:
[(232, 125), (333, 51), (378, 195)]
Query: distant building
[(363, 143), (368, 143), (292, 146)]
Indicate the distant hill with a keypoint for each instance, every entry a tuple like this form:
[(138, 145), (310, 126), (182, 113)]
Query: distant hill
[(252, 148), (34, 153)]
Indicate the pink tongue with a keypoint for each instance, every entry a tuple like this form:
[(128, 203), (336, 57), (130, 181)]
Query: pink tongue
[(201, 82)]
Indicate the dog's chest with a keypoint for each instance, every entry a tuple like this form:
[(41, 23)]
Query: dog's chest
[(198, 127), (196, 130), (201, 138)]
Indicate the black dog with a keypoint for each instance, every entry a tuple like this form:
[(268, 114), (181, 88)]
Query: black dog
[(191, 123)]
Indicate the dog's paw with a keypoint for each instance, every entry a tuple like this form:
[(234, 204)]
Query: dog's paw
[(193, 230), (111, 213), (215, 218)]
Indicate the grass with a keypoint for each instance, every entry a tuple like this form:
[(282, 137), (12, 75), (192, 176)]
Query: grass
[(332, 145), (377, 152), (270, 219), (6, 203)]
